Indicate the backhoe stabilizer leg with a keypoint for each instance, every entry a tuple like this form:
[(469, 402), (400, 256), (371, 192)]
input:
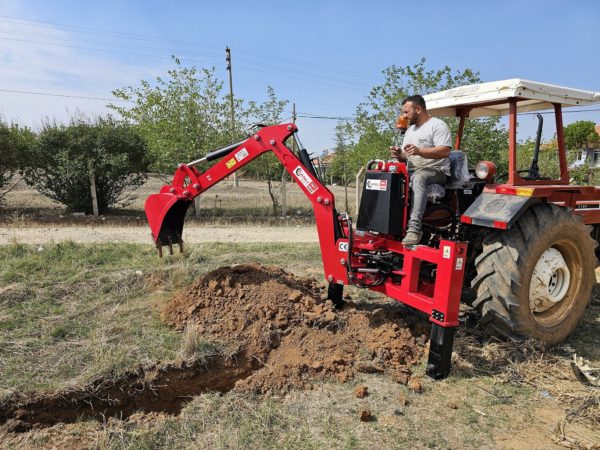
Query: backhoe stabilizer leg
[(440, 351), (335, 293)]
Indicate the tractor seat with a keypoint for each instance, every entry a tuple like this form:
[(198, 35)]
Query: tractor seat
[(459, 175)]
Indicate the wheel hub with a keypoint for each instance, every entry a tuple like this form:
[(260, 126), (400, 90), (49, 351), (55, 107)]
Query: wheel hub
[(549, 282)]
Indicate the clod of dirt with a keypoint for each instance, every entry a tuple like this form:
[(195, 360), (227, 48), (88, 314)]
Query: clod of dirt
[(402, 400), (415, 384), (365, 415), (283, 322), (361, 391), (452, 405)]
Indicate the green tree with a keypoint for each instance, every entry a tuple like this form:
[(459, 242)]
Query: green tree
[(371, 144), (547, 158), (340, 166), (581, 136), (375, 118), (181, 117), (484, 139), (61, 161), (15, 143), (267, 167), (384, 102)]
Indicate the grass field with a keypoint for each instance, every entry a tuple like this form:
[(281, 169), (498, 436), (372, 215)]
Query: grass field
[(72, 313)]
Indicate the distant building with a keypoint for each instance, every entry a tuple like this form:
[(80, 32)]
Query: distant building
[(324, 161), (589, 155)]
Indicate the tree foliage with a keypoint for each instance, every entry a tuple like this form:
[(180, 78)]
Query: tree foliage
[(64, 155), (384, 102), (15, 143), (484, 139), (341, 168), (374, 129), (548, 162), (182, 117), (580, 135), (267, 167)]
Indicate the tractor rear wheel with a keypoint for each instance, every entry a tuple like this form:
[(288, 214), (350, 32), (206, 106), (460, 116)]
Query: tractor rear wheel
[(535, 280)]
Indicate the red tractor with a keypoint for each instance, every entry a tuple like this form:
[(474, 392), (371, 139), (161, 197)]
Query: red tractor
[(522, 244)]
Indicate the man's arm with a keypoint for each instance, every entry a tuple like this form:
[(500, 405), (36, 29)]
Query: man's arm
[(437, 152), (398, 153)]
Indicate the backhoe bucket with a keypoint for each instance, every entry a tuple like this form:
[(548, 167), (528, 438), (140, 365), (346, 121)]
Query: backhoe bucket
[(166, 213)]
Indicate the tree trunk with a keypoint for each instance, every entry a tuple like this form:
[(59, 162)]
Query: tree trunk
[(274, 201), (93, 189), (284, 193)]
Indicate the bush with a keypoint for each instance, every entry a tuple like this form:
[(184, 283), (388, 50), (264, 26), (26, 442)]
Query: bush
[(15, 143), (64, 155)]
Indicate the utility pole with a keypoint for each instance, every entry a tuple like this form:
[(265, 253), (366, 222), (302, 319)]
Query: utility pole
[(236, 182)]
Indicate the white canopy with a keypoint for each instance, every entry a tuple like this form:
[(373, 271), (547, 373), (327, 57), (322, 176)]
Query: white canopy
[(539, 96)]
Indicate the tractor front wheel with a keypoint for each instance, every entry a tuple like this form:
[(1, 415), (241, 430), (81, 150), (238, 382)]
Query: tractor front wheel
[(535, 280)]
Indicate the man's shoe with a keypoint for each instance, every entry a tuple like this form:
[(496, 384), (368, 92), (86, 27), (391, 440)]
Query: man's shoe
[(413, 237)]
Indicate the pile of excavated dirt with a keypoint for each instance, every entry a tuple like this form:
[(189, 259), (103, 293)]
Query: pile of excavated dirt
[(279, 332), (295, 337)]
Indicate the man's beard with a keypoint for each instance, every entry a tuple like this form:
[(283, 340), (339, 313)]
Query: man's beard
[(412, 121)]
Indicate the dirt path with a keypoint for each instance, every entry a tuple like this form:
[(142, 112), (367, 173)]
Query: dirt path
[(141, 235)]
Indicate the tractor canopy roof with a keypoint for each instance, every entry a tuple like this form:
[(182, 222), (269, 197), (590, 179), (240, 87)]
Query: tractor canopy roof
[(490, 99)]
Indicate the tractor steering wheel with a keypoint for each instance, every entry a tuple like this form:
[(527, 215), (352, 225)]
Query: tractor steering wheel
[(505, 175)]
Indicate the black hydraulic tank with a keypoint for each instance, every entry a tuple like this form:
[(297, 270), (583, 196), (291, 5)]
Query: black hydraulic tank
[(381, 205)]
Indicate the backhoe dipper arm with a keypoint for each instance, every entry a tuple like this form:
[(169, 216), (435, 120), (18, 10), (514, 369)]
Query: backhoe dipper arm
[(166, 210)]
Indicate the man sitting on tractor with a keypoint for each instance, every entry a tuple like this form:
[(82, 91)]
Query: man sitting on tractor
[(426, 147)]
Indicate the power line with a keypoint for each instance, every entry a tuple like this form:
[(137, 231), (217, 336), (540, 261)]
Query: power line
[(133, 36), (325, 80), (299, 114), (315, 116), (65, 95)]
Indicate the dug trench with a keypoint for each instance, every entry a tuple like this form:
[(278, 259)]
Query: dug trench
[(250, 328)]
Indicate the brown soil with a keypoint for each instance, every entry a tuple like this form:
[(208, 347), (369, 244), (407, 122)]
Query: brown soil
[(163, 388), (280, 333), (282, 321)]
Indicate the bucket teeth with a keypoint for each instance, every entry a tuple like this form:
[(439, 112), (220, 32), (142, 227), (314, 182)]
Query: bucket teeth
[(159, 248), (180, 242), (170, 246)]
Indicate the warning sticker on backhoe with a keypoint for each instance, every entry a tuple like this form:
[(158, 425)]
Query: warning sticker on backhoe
[(459, 264), (305, 179), (446, 252), (241, 154), (232, 162), (376, 185)]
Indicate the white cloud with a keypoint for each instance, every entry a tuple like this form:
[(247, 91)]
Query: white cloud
[(28, 63)]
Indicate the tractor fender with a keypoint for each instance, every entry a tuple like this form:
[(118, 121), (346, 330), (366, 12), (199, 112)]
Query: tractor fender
[(497, 210)]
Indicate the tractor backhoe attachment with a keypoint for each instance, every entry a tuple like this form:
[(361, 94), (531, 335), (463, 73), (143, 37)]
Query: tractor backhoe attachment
[(426, 278)]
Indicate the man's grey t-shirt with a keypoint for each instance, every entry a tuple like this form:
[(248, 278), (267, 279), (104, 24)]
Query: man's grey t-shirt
[(432, 133)]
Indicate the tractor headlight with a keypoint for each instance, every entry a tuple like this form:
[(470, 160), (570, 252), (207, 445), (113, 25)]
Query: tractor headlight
[(485, 170)]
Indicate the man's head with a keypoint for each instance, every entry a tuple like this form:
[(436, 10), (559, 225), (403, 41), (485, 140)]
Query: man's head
[(413, 108)]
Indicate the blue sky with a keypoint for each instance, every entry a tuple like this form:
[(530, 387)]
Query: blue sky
[(323, 55)]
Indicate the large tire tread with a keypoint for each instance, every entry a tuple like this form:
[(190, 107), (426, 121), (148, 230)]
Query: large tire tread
[(505, 257)]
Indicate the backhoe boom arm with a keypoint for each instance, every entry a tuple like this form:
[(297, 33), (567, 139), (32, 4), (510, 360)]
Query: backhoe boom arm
[(166, 210)]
